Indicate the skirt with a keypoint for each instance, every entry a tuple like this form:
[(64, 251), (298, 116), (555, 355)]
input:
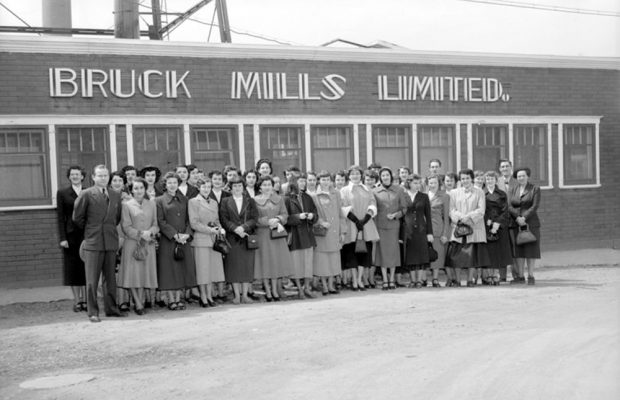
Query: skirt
[(528, 250), (440, 248), (302, 265), (272, 259), (500, 251), (353, 259), (327, 263), (388, 251), (467, 255), (239, 263), (209, 265), (74, 273)]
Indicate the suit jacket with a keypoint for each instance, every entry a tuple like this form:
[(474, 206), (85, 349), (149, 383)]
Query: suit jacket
[(525, 205), (99, 218), (231, 218), (67, 230), (506, 186), (223, 196)]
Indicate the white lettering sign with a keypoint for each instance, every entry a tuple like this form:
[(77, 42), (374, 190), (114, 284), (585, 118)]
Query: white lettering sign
[(279, 86), (66, 82), (440, 88)]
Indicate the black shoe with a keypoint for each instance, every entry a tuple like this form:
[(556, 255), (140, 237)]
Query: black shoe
[(160, 304), (116, 315), (124, 307), (139, 311), (203, 304), (147, 304), (269, 299)]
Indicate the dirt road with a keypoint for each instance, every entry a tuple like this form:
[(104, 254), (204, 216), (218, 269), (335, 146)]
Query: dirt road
[(557, 340)]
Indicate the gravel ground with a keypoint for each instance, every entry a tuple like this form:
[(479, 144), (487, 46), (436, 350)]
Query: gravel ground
[(556, 340)]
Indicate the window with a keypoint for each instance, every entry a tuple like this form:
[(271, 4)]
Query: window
[(212, 148), (331, 148), (284, 146), (391, 145), (24, 174), (490, 145), (157, 145), (83, 146), (579, 161), (436, 141), (531, 150)]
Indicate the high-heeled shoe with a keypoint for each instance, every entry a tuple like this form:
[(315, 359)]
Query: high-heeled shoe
[(436, 283), (211, 303), (269, 298), (139, 311), (203, 304), (392, 286)]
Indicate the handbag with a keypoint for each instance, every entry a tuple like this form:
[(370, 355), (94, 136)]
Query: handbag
[(462, 230), (319, 230), (525, 236), (492, 237), (275, 234), (221, 244), (141, 251), (360, 244), (432, 253), (252, 242), (179, 253)]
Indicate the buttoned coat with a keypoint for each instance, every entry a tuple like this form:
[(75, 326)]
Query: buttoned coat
[(203, 212), (525, 205), (224, 195), (390, 200), (468, 203), (300, 230), (359, 200), (239, 263), (67, 229), (99, 217), (440, 214)]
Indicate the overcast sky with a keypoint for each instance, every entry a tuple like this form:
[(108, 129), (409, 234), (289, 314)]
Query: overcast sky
[(439, 25)]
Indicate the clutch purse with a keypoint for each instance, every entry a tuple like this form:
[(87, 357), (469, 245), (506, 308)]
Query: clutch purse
[(141, 251), (221, 245), (462, 230), (432, 253), (275, 234), (525, 235), (252, 242), (319, 230)]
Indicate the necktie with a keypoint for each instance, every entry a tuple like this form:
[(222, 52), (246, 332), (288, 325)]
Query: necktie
[(105, 194)]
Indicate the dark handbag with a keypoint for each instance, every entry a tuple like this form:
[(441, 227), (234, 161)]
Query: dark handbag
[(432, 253), (360, 244), (252, 242), (492, 237), (179, 253), (221, 244), (141, 251), (275, 234), (462, 230), (525, 235), (319, 230)]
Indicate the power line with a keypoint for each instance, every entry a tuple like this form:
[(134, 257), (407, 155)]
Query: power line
[(17, 16), (546, 7)]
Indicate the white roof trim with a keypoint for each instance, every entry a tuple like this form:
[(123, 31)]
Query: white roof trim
[(69, 45)]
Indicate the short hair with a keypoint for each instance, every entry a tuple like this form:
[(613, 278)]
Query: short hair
[(374, 165), (388, 170), (323, 174), (467, 171), (181, 166), (98, 166), (139, 179), (311, 173), (128, 168), (264, 161), (202, 181), (120, 175), (191, 167), (342, 173), (437, 160), (76, 167), (371, 174), (150, 168), (503, 160), (451, 175), (228, 168), (292, 168), (433, 176), (238, 180), (170, 175), (264, 179), (527, 170), (491, 173), (355, 168), (215, 172), (478, 173), (406, 168), (414, 177)]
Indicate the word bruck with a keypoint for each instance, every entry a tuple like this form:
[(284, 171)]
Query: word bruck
[(275, 86), (152, 83)]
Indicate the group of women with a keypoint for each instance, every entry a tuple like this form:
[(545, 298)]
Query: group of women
[(315, 231)]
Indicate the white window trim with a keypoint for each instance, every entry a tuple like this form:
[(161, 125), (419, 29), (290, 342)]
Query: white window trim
[(113, 155), (414, 147), (187, 145), (597, 156), (307, 145), (511, 150), (256, 120), (129, 139), (240, 134)]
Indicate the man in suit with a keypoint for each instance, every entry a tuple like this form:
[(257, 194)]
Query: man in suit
[(98, 211)]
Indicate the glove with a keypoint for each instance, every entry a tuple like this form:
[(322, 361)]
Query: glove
[(367, 218), (359, 225), (353, 218)]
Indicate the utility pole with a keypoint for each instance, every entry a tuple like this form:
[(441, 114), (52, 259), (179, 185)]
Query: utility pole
[(155, 29), (222, 17)]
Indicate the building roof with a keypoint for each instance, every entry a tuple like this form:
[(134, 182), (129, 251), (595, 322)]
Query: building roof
[(71, 45)]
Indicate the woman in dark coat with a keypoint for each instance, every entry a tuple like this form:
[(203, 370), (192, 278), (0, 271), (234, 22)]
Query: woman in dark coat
[(417, 231), (497, 219), (524, 201), (302, 214), (238, 215), (173, 220), (71, 237)]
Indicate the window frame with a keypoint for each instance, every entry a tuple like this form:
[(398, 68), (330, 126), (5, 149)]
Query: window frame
[(48, 198), (182, 144), (548, 182), (474, 126), (350, 149), (236, 154), (266, 152), (455, 142), (597, 155), (408, 149)]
